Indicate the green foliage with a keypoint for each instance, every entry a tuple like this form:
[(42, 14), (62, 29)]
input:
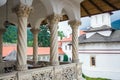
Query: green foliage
[(10, 35), (29, 38), (61, 34), (44, 36), (89, 78)]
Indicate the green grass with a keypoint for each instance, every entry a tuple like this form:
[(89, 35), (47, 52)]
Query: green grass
[(89, 78)]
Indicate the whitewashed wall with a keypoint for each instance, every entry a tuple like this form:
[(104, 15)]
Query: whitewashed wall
[(107, 65), (114, 45), (100, 20), (67, 51)]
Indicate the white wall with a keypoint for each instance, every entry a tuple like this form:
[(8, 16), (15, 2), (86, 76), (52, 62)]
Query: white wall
[(107, 65), (67, 51), (114, 45), (100, 20)]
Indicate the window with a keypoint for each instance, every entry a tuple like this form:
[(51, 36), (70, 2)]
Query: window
[(93, 61), (65, 47), (59, 58), (43, 57), (69, 47)]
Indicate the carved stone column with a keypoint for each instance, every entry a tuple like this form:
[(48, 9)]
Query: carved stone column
[(74, 25), (1, 43), (53, 25), (35, 45), (22, 12)]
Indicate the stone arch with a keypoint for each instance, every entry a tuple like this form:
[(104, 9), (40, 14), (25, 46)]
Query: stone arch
[(40, 12), (48, 6), (68, 7), (72, 9), (38, 22), (9, 15)]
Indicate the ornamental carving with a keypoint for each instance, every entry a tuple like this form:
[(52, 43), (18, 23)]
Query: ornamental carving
[(74, 24), (22, 10), (53, 19), (68, 73), (43, 75), (10, 78)]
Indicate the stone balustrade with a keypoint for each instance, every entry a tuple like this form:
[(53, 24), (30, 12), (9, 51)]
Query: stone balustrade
[(9, 76), (7, 66), (62, 72)]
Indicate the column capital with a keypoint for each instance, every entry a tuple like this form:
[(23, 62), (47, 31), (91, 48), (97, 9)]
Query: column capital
[(74, 24), (2, 30), (35, 31), (54, 18), (22, 10)]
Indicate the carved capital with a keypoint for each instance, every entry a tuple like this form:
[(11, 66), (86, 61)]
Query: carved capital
[(53, 19), (74, 24), (35, 31), (22, 10)]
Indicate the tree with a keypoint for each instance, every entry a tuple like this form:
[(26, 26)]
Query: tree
[(61, 34), (29, 38), (44, 36), (10, 35)]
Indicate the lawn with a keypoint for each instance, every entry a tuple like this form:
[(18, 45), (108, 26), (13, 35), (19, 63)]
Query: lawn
[(89, 78)]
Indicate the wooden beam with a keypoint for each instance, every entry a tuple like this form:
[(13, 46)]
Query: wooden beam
[(111, 5), (91, 1), (85, 9)]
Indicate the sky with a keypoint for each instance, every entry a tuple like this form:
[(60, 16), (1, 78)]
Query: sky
[(63, 26)]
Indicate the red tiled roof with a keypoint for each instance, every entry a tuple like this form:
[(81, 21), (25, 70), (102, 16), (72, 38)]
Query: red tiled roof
[(70, 38), (60, 51), (82, 32), (41, 50), (67, 39), (7, 49)]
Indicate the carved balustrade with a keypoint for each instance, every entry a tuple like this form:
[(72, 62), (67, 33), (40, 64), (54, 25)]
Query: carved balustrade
[(62, 72)]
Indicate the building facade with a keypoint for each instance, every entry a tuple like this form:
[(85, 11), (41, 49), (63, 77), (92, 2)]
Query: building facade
[(99, 50)]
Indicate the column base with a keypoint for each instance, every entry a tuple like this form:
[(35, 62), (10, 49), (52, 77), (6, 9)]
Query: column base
[(75, 60), (21, 67), (55, 63)]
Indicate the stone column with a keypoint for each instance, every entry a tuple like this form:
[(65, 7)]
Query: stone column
[(74, 25), (53, 25), (1, 43), (35, 45), (22, 12)]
